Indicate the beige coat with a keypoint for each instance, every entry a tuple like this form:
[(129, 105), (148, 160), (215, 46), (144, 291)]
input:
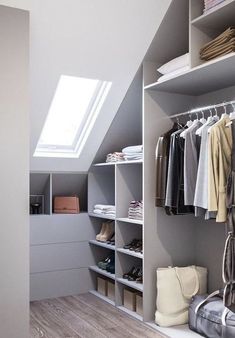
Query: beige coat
[(219, 166)]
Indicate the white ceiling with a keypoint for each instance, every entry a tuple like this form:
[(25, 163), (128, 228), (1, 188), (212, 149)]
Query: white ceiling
[(105, 39)]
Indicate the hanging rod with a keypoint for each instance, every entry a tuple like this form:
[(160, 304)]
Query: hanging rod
[(198, 110)]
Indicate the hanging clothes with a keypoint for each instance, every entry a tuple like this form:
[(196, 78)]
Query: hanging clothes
[(191, 155), (201, 189), (219, 164), (161, 158), (175, 178)]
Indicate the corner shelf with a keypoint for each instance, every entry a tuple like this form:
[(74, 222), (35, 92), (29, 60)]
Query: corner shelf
[(129, 220), (102, 272), (219, 17), (106, 299), (130, 253), (207, 77), (102, 244), (133, 285)]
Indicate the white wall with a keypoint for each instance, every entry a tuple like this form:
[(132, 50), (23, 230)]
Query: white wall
[(14, 144), (105, 39)]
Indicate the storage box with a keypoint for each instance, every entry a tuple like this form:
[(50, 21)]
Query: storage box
[(111, 290), (139, 304), (66, 205), (129, 300), (102, 286)]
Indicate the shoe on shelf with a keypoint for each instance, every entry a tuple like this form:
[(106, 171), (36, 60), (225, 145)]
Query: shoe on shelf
[(111, 267), (102, 231), (137, 245), (103, 264), (138, 276), (130, 273), (108, 233), (111, 240), (131, 244)]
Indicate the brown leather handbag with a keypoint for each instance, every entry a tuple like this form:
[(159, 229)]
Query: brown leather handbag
[(66, 205)]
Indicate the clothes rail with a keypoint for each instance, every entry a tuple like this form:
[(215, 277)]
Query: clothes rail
[(203, 109)]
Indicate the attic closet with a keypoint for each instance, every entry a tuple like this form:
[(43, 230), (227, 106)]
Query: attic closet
[(182, 240)]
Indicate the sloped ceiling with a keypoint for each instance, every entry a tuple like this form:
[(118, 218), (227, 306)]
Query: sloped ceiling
[(105, 39)]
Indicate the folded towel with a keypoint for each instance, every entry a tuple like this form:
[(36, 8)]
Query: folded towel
[(105, 207), (133, 149), (226, 36), (220, 50), (173, 65), (175, 73)]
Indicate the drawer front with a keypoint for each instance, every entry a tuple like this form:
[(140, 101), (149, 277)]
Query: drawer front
[(52, 257)]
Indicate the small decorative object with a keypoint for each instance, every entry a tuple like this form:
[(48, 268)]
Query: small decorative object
[(35, 208)]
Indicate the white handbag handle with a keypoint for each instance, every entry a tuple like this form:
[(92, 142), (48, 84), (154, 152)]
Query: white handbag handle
[(189, 296)]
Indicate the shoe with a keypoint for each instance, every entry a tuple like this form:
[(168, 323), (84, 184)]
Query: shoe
[(103, 264), (131, 244), (111, 241), (137, 276), (111, 267), (130, 273), (136, 246), (108, 233), (102, 231)]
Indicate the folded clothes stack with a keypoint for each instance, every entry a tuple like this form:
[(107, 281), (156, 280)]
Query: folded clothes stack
[(174, 67), (136, 210), (133, 153), (222, 45), (106, 210), (115, 157), (209, 4)]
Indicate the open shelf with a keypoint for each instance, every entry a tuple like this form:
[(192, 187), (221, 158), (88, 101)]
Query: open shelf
[(129, 220), (102, 272), (133, 285), (102, 244), (207, 77), (219, 18), (117, 163), (131, 313), (130, 253), (106, 299), (101, 216)]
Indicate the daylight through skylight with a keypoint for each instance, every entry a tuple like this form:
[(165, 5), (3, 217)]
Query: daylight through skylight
[(74, 109)]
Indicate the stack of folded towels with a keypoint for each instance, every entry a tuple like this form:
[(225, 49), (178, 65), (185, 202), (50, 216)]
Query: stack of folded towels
[(115, 157), (209, 4), (133, 153), (174, 67), (136, 210), (222, 45), (103, 209)]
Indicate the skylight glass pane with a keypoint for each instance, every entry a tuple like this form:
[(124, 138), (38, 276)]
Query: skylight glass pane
[(67, 110), (71, 117)]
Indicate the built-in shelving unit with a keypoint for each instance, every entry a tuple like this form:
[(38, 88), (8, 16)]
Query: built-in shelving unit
[(102, 244), (175, 240)]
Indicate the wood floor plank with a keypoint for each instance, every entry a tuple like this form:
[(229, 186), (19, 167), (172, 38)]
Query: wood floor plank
[(84, 316), (52, 326)]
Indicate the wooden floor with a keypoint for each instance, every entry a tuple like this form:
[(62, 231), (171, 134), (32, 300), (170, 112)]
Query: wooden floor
[(84, 316)]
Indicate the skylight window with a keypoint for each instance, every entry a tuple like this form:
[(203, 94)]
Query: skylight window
[(73, 112)]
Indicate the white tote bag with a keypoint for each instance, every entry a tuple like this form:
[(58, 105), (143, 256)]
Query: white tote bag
[(175, 288)]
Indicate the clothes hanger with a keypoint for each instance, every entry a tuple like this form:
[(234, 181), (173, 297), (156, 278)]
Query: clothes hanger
[(189, 122), (232, 114), (202, 119), (225, 112)]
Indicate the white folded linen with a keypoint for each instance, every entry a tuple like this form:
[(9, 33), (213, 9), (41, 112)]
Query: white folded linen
[(105, 207), (175, 73), (177, 63), (133, 149)]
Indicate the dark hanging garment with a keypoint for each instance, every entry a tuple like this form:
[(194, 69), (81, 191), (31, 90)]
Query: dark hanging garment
[(175, 178), (229, 251), (162, 154)]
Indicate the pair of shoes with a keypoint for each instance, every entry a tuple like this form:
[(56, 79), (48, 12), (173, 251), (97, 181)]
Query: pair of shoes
[(135, 245), (108, 264), (135, 274), (106, 232)]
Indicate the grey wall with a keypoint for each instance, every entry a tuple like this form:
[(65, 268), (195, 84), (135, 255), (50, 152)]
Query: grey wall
[(14, 145), (126, 128)]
